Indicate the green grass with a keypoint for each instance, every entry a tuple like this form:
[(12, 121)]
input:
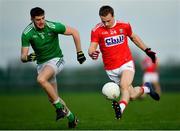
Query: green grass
[(33, 111)]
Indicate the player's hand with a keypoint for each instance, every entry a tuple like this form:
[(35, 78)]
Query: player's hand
[(80, 57), (31, 57), (151, 54), (94, 55)]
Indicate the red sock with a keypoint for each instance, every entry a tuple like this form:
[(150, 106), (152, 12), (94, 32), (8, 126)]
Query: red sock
[(142, 89)]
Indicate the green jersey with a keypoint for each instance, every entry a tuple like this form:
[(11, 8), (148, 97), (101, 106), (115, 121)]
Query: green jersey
[(44, 42)]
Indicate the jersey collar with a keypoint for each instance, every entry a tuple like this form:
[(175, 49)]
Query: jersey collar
[(36, 27), (113, 24)]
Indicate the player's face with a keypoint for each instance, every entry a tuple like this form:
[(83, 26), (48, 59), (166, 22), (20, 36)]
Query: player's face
[(39, 21), (108, 20)]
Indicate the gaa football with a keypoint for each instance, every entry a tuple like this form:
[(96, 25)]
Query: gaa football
[(111, 90)]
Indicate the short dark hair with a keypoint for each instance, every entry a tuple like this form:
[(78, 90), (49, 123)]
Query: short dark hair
[(37, 11), (105, 10)]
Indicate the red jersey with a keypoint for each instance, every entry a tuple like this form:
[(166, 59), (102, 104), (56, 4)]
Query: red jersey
[(113, 43), (148, 65)]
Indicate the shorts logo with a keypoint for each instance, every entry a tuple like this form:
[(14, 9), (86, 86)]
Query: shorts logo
[(59, 62), (114, 40)]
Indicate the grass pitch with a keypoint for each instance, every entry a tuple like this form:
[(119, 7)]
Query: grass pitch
[(32, 111)]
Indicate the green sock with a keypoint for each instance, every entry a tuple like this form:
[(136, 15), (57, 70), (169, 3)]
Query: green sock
[(58, 105), (71, 117)]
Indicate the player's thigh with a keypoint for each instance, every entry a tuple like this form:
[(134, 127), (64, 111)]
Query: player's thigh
[(126, 79), (57, 64), (46, 73)]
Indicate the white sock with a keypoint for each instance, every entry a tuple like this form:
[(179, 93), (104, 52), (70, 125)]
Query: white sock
[(146, 89), (56, 101), (68, 113), (123, 106)]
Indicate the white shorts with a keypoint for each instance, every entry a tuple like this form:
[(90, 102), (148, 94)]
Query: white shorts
[(57, 65), (151, 77), (115, 74)]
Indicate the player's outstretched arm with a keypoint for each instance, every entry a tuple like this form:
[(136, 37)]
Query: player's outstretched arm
[(75, 34), (137, 40)]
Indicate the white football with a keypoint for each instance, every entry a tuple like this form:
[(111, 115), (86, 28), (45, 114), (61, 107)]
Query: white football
[(111, 90)]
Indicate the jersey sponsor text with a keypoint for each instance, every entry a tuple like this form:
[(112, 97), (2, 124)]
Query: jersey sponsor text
[(114, 40)]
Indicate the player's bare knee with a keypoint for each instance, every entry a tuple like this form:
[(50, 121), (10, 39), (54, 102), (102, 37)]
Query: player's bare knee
[(41, 80)]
